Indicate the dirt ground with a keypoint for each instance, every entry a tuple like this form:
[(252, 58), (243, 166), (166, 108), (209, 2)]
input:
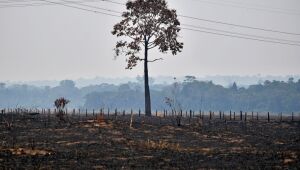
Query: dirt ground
[(43, 142)]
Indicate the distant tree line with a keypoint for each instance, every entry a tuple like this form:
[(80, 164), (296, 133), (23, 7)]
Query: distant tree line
[(273, 96)]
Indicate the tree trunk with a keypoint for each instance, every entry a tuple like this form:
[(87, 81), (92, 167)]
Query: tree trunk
[(146, 83)]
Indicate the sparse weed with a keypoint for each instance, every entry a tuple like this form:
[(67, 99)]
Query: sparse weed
[(162, 144)]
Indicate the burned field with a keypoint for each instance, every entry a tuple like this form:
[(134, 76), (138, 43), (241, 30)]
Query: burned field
[(44, 142)]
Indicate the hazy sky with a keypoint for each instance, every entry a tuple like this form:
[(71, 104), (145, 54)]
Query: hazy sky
[(56, 42)]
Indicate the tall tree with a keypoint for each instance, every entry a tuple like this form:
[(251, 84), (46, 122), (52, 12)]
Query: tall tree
[(147, 24)]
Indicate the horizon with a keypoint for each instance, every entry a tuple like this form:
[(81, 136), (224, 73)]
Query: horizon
[(134, 76), (223, 80)]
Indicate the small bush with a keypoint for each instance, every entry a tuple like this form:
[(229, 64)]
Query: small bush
[(60, 104)]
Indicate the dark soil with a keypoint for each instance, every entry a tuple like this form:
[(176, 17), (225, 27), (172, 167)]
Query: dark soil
[(42, 142)]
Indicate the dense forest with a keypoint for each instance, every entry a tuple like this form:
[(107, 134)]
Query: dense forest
[(273, 96)]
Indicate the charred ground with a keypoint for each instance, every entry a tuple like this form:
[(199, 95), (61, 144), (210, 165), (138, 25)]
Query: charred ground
[(42, 142)]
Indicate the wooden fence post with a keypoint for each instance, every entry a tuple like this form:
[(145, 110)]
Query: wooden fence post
[(220, 115), (156, 113), (209, 115), (139, 112), (2, 113), (241, 115), (48, 117), (245, 116), (281, 117), (268, 117), (131, 117), (233, 115), (230, 115), (190, 116)]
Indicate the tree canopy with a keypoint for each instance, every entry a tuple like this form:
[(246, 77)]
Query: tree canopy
[(147, 23)]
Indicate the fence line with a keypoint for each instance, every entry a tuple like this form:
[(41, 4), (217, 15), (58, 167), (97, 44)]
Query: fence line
[(189, 114)]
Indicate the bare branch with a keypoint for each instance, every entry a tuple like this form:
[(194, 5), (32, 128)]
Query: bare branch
[(150, 61)]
